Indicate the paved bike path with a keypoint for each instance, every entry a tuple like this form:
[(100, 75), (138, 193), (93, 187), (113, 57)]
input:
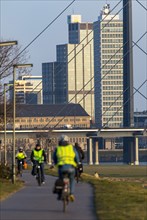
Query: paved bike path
[(39, 203)]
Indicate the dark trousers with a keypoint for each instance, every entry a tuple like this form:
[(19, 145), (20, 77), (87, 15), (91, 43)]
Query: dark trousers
[(34, 170), (18, 163)]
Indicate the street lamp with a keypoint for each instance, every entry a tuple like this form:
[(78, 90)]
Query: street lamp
[(14, 115), (5, 122), (8, 43)]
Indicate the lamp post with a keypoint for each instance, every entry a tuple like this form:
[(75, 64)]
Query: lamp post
[(5, 122), (8, 43), (14, 115)]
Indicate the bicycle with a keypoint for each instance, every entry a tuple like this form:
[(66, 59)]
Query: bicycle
[(20, 167), (79, 170), (65, 191), (38, 173), (62, 188)]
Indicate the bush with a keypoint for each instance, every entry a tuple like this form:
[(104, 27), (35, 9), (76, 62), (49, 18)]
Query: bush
[(5, 171)]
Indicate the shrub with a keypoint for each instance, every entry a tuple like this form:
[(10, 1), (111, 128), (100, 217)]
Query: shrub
[(5, 171)]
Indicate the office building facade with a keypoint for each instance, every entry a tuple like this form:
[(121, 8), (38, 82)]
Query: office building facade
[(79, 75), (108, 69), (73, 77), (54, 83), (28, 90)]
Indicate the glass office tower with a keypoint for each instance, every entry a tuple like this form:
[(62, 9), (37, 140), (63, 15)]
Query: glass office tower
[(54, 83), (108, 69)]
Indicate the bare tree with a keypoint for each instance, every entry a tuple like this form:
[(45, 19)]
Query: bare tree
[(10, 55)]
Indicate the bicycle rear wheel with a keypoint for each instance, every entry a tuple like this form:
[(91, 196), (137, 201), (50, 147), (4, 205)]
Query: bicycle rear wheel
[(77, 175), (39, 177), (65, 203), (20, 169)]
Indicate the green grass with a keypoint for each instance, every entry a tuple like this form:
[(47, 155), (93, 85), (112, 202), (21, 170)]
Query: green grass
[(117, 171), (119, 194), (119, 200), (7, 188)]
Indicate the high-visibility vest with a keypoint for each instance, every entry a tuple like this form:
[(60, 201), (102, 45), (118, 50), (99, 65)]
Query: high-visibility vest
[(20, 155), (65, 155), (38, 155)]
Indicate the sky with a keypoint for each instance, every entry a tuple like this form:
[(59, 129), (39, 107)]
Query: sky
[(25, 20)]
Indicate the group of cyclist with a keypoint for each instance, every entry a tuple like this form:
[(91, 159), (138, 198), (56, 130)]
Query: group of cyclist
[(66, 157)]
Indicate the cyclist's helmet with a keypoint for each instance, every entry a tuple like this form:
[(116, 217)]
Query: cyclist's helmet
[(21, 149), (63, 140)]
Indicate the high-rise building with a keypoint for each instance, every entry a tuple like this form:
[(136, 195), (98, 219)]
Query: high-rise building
[(54, 83), (108, 69), (73, 76), (79, 79), (79, 32), (28, 90)]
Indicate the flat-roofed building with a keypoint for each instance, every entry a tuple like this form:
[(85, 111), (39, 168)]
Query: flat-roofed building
[(49, 116), (28, 90), (45, 117)]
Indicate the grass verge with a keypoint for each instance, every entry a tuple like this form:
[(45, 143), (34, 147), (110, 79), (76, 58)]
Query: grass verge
[(7, 188), (119, 193), (118, 200)]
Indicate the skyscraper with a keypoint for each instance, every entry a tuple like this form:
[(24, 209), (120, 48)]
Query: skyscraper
[(54, 83), (79, 32), (108, 69), (74, 75)]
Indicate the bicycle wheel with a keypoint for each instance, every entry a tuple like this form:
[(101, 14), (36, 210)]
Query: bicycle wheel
[(77, 175), (20, 169), (64, 204), (39, 176)]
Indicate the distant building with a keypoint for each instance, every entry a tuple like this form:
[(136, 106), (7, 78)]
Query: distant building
[(54, 83), (45, 117), (108, 69), (140, 119), (79, 32), (72, 75), (28, 90), (49, 116)]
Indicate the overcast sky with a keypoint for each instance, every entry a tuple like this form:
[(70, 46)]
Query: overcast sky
[(24, 20)]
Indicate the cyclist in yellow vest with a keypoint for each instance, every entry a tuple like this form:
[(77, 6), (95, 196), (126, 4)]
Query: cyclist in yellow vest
[(66, 158), (38, 154), (20, 156)]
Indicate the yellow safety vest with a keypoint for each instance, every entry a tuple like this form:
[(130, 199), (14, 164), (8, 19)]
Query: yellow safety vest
[(38, 155), (65, 155), (20, 155)]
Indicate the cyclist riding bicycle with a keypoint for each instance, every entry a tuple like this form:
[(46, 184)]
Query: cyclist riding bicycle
[(20, 156), (66, 158), (81, 157), (38, 154)]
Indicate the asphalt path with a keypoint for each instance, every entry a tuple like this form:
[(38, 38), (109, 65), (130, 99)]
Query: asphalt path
[(35, 202)]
